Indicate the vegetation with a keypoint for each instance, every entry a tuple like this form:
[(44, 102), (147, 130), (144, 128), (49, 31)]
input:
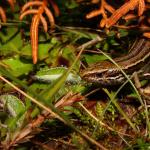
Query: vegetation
[(44, 103)]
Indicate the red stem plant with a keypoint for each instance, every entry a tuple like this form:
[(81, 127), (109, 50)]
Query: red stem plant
[(124, 10), (2, 11), (2, 15), (38, 8)]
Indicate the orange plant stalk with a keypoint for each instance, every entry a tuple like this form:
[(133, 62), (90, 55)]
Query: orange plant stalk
[(3, 15), (37, 18), (34, 37)]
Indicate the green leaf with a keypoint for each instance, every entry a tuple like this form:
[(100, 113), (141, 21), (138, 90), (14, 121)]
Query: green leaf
[(94, 58), (15, 108), (18, 67), (123, 33), (52, 74), (10, 41), (71, 4), (43, 49)]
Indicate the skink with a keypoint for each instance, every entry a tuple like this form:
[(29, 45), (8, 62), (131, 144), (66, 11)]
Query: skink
[(106, 73)]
